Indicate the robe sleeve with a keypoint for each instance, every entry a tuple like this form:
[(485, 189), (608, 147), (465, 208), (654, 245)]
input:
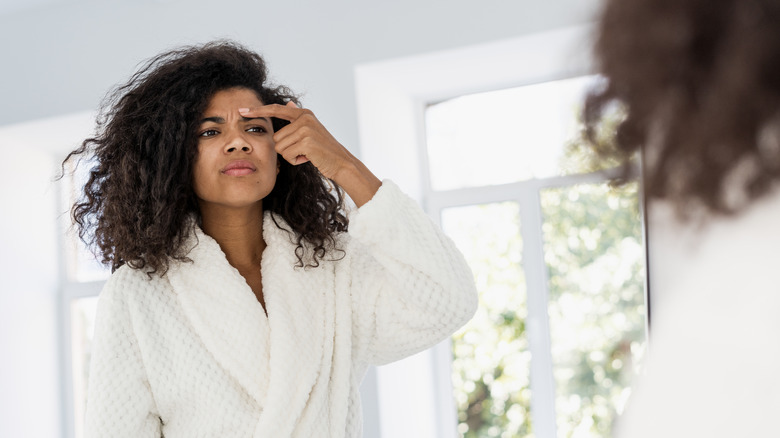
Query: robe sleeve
[(119, 398), (411, 287)]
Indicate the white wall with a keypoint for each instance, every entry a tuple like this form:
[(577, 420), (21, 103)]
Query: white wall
[(29, 379), (28, 369), (61, 56)]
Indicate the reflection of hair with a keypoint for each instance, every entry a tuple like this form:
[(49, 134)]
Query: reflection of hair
[(700, 83), (139, 196)]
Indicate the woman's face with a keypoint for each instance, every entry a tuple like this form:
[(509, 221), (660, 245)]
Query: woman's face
[(236, 163)]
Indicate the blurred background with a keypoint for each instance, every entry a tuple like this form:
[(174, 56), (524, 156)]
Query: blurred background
[(472, 108)]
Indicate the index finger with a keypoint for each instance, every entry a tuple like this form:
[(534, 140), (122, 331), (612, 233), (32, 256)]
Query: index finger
[(286, 112)]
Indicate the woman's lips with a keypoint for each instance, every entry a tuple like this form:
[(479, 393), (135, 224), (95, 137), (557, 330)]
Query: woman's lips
[(239, 168)]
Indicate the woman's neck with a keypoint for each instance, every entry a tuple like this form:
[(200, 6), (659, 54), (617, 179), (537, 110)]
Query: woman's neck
[(239, 233)]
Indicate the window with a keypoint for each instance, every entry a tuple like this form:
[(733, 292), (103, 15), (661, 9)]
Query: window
[(558, 258)]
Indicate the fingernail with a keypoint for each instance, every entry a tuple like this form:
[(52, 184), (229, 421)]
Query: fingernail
[(243, 110)]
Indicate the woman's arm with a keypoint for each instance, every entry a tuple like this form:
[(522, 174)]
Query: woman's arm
[(411, 287), (119, 399)]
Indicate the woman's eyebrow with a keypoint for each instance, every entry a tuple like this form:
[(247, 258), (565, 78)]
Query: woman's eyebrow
[(265, 119), (213, 119)]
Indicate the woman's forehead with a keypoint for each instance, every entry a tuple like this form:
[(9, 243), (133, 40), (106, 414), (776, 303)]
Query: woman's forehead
[(232, 99)]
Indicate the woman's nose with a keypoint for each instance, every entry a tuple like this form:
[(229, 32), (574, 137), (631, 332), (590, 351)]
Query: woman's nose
[(237, 143)]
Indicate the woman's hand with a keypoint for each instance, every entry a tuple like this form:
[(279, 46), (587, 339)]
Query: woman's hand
[(306, 139)]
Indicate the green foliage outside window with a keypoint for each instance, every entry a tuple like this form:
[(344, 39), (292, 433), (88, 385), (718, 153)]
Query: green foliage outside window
[(491, 356), (595, 259)]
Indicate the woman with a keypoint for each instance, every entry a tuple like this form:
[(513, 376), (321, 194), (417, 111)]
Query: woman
[(239, 304), (700, 83)]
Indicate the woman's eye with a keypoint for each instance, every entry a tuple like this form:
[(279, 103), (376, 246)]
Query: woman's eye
[(257, 129), (209, 133)]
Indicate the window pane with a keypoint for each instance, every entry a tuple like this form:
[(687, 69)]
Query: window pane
[(491, 360), (595, 258), (82, 323), (503, 136)]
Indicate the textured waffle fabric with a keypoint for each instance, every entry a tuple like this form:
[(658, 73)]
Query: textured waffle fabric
[(193, 354)]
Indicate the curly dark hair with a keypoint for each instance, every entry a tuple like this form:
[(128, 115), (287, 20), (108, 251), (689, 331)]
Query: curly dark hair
[(139, 197), (699, 81)]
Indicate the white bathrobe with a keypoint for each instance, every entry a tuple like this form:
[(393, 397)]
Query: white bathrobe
[(193, 354)]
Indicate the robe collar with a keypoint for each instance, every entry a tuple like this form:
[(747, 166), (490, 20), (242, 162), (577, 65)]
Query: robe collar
[(277, 357)]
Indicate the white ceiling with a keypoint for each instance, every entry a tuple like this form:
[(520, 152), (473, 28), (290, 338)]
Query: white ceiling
[(8, 6)]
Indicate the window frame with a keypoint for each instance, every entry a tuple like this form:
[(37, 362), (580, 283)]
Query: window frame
[(392, 97), (70, 291)]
